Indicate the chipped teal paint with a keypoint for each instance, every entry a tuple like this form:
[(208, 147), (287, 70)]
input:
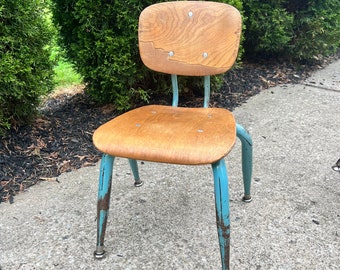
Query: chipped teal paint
[(206, 91), (101, 224), (222, 210), (247, 160), (104, 193)]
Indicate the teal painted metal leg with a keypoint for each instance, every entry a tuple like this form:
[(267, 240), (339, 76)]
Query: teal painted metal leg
[(134, 168), (247, 160), (222, 210), (104, 192)]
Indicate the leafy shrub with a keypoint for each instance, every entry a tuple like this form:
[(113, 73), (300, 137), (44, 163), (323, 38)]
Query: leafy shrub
[(316, 28), (25, 69), (297, 30), (100, 38), (269, 27)]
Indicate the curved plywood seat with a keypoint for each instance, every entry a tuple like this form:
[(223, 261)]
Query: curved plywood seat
[(169, 134)]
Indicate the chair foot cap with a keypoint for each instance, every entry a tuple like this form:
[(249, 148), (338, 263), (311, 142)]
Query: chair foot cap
[(99, 255), (247, 198), (139, 183)]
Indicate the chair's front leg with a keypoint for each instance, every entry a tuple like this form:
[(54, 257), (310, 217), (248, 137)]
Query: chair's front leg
[(247, 160), (104, 193), (134, 168), (222, 210)]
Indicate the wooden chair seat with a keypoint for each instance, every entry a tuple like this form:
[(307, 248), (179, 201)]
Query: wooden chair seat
[(196, 135)]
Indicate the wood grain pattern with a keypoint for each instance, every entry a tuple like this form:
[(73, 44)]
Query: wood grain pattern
[(169, 134), (194, 38)]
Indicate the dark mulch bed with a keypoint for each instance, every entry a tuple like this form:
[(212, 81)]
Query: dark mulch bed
[(60, 140)]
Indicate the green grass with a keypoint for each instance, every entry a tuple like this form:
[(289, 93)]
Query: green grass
[(65, 75), (64, 72)]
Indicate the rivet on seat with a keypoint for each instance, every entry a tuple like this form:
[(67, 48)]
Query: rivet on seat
[(171, 53), (205, 55)]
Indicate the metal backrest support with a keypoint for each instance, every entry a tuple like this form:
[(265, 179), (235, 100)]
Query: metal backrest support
[(192, 38)]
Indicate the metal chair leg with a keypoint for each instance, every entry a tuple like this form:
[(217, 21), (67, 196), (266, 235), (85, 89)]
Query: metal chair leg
[(134, 168), (247, 160), (104, 193), (222, 210)]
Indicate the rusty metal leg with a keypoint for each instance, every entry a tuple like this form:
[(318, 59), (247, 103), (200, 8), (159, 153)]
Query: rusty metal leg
[(134, 168), (222, 210), (247, 160), (104, 192)]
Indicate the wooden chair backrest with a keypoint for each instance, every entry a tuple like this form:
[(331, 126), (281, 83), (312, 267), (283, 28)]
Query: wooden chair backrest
[(193, 38)]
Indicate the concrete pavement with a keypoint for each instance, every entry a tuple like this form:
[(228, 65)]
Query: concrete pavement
[(293, 221)]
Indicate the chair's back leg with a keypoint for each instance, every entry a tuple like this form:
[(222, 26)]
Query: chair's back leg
[(222, 210), (104, 193), (247, 160), (134, 169)]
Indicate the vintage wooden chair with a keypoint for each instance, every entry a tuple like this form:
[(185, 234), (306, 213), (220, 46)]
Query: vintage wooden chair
[(192, 38)]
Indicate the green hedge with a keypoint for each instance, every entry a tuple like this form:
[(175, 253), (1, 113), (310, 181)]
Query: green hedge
[(295, 30), (25, 69), (269, 27), (316, 28), (100, 38)]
